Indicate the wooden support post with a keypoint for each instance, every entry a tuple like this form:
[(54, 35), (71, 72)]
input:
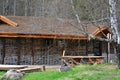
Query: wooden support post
[(4, 48), (19, 50), (43, 68), (86, 47), (93, 47), (63, 53), (32, 50), (108, 48), (107, 52), (100, 48)]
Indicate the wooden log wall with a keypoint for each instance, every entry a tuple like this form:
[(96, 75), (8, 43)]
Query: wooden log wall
[(10, 51), (24, 51), (78, 48), (28, 52), (2, 50)]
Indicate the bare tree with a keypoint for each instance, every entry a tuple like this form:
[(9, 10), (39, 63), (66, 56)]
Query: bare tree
[(114, 27), (82, 27)]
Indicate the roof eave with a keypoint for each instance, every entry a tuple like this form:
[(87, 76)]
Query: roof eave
[(71, 37)]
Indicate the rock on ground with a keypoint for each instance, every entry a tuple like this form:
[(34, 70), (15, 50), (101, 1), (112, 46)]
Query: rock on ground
[(13, 75)]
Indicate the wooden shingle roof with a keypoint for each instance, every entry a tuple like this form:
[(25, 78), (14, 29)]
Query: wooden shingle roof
[(41, 27)]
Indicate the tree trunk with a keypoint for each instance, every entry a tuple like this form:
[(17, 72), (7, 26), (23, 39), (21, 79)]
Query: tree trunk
[(118, 56), (113, 21)]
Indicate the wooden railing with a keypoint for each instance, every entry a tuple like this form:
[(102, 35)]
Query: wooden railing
[(80, 52)]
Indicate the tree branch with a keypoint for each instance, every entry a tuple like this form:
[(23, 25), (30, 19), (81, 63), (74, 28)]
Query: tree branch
[(90, 36)]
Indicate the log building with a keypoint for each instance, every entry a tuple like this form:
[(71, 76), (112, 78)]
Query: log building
[(40, 40)]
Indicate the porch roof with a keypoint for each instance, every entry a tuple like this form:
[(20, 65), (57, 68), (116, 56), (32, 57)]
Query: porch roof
[(41, 27)]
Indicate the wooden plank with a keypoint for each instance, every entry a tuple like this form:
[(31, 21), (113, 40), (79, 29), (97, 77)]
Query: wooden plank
[(6, 20), (90, 61), (7, 67), (98, 61), (85, 59), (31, 69), (83, 56)]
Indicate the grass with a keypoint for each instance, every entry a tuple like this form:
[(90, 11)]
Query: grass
[(81, 72)]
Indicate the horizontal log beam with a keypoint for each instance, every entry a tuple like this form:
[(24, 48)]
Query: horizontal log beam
[(42, 36), (6, 20), (99, 30), (83, 57)]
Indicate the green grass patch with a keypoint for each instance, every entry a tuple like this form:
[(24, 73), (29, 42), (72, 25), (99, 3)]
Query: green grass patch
[(81, 72)]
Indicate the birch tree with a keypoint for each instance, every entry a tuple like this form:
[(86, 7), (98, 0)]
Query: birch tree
[(113, 21), (114, 27)]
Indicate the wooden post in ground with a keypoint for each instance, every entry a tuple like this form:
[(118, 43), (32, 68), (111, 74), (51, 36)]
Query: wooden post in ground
[(43, 68), (4, 48)]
